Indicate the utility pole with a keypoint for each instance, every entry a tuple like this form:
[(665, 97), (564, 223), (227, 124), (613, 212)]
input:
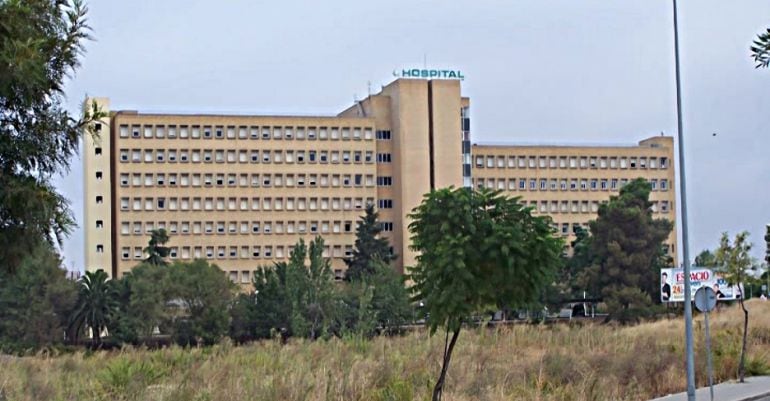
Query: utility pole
[(689, 353), (767, 261)]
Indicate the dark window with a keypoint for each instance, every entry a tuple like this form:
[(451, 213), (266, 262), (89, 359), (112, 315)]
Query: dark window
[(98, 151), (383, 135)]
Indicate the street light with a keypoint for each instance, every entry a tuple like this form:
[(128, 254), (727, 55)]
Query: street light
[(689, 355)]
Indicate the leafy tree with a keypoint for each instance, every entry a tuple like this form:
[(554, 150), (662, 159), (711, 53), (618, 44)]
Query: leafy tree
[(35, 302), (96, 304), (627, 252), (734, 261), (566, 284), (376, 303), (271, 303), (705, 259), (156, 250), (760, 50), (205, 293), (476, 249), (311, 290), (143, 295), (42, 41), (390, 299), (243, 319), (369, 248)]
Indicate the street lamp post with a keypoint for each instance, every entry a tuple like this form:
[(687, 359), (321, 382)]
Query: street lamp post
[(685, 244)]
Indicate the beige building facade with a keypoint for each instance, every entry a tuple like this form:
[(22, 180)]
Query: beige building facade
[(240, 191), (569, 183)]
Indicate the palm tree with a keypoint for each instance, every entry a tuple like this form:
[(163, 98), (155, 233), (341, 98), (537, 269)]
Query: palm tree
[(96, 304), (760, 49), (156, 250)]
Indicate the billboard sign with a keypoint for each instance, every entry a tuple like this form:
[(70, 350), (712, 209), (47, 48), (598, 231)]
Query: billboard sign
[(672, 284)]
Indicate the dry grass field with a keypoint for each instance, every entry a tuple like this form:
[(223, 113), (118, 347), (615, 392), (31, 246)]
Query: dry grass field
[(556, 362)]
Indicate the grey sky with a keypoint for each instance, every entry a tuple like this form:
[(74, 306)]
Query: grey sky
[(538, 70)]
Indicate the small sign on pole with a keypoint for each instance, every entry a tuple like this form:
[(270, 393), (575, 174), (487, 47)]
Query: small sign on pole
[(706, 301)]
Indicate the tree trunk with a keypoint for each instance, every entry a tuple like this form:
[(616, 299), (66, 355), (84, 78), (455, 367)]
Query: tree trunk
[(97, 338), (742, 363), (439, 388)]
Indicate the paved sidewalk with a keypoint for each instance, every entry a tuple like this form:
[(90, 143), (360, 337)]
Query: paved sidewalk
[(756, 388)]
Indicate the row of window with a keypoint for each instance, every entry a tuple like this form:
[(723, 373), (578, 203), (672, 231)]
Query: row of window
[(542, 162), (244, 276), (248, 180), (250, 156), (235, 252), (244, 204), (575, 206), (241, 227), (556, 184), (243, 132)]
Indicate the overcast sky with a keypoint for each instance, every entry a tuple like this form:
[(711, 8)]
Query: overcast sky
[(554, 71)]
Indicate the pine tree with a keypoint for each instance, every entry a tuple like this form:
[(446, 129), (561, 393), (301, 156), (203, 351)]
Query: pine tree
[(370, 248), (627, 253)]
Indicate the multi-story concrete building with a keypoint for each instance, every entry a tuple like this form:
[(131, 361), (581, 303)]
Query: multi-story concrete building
[(242, 190), (569, 183)]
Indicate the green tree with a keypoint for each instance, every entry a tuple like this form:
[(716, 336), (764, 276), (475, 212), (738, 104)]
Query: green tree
[(297, 297), (204, 293), (476, 249), (627, 252), (272, 306), (243, 318), (734, 261), (311, 290), (378, 303), (156, 249), (42, 41), (567, 283), (369, 247), (35, 302), (96, 304), (705, 259), (143, 295)]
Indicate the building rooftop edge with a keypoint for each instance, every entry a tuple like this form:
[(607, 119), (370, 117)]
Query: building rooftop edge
[(567, 145), (227, 114)]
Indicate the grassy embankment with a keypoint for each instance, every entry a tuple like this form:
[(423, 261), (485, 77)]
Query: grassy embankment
[(594, 362)]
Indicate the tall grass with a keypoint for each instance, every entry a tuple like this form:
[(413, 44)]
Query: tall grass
[(561, 362)]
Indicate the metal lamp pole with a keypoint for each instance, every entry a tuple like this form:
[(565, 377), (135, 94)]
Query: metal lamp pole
[(685, 244)]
